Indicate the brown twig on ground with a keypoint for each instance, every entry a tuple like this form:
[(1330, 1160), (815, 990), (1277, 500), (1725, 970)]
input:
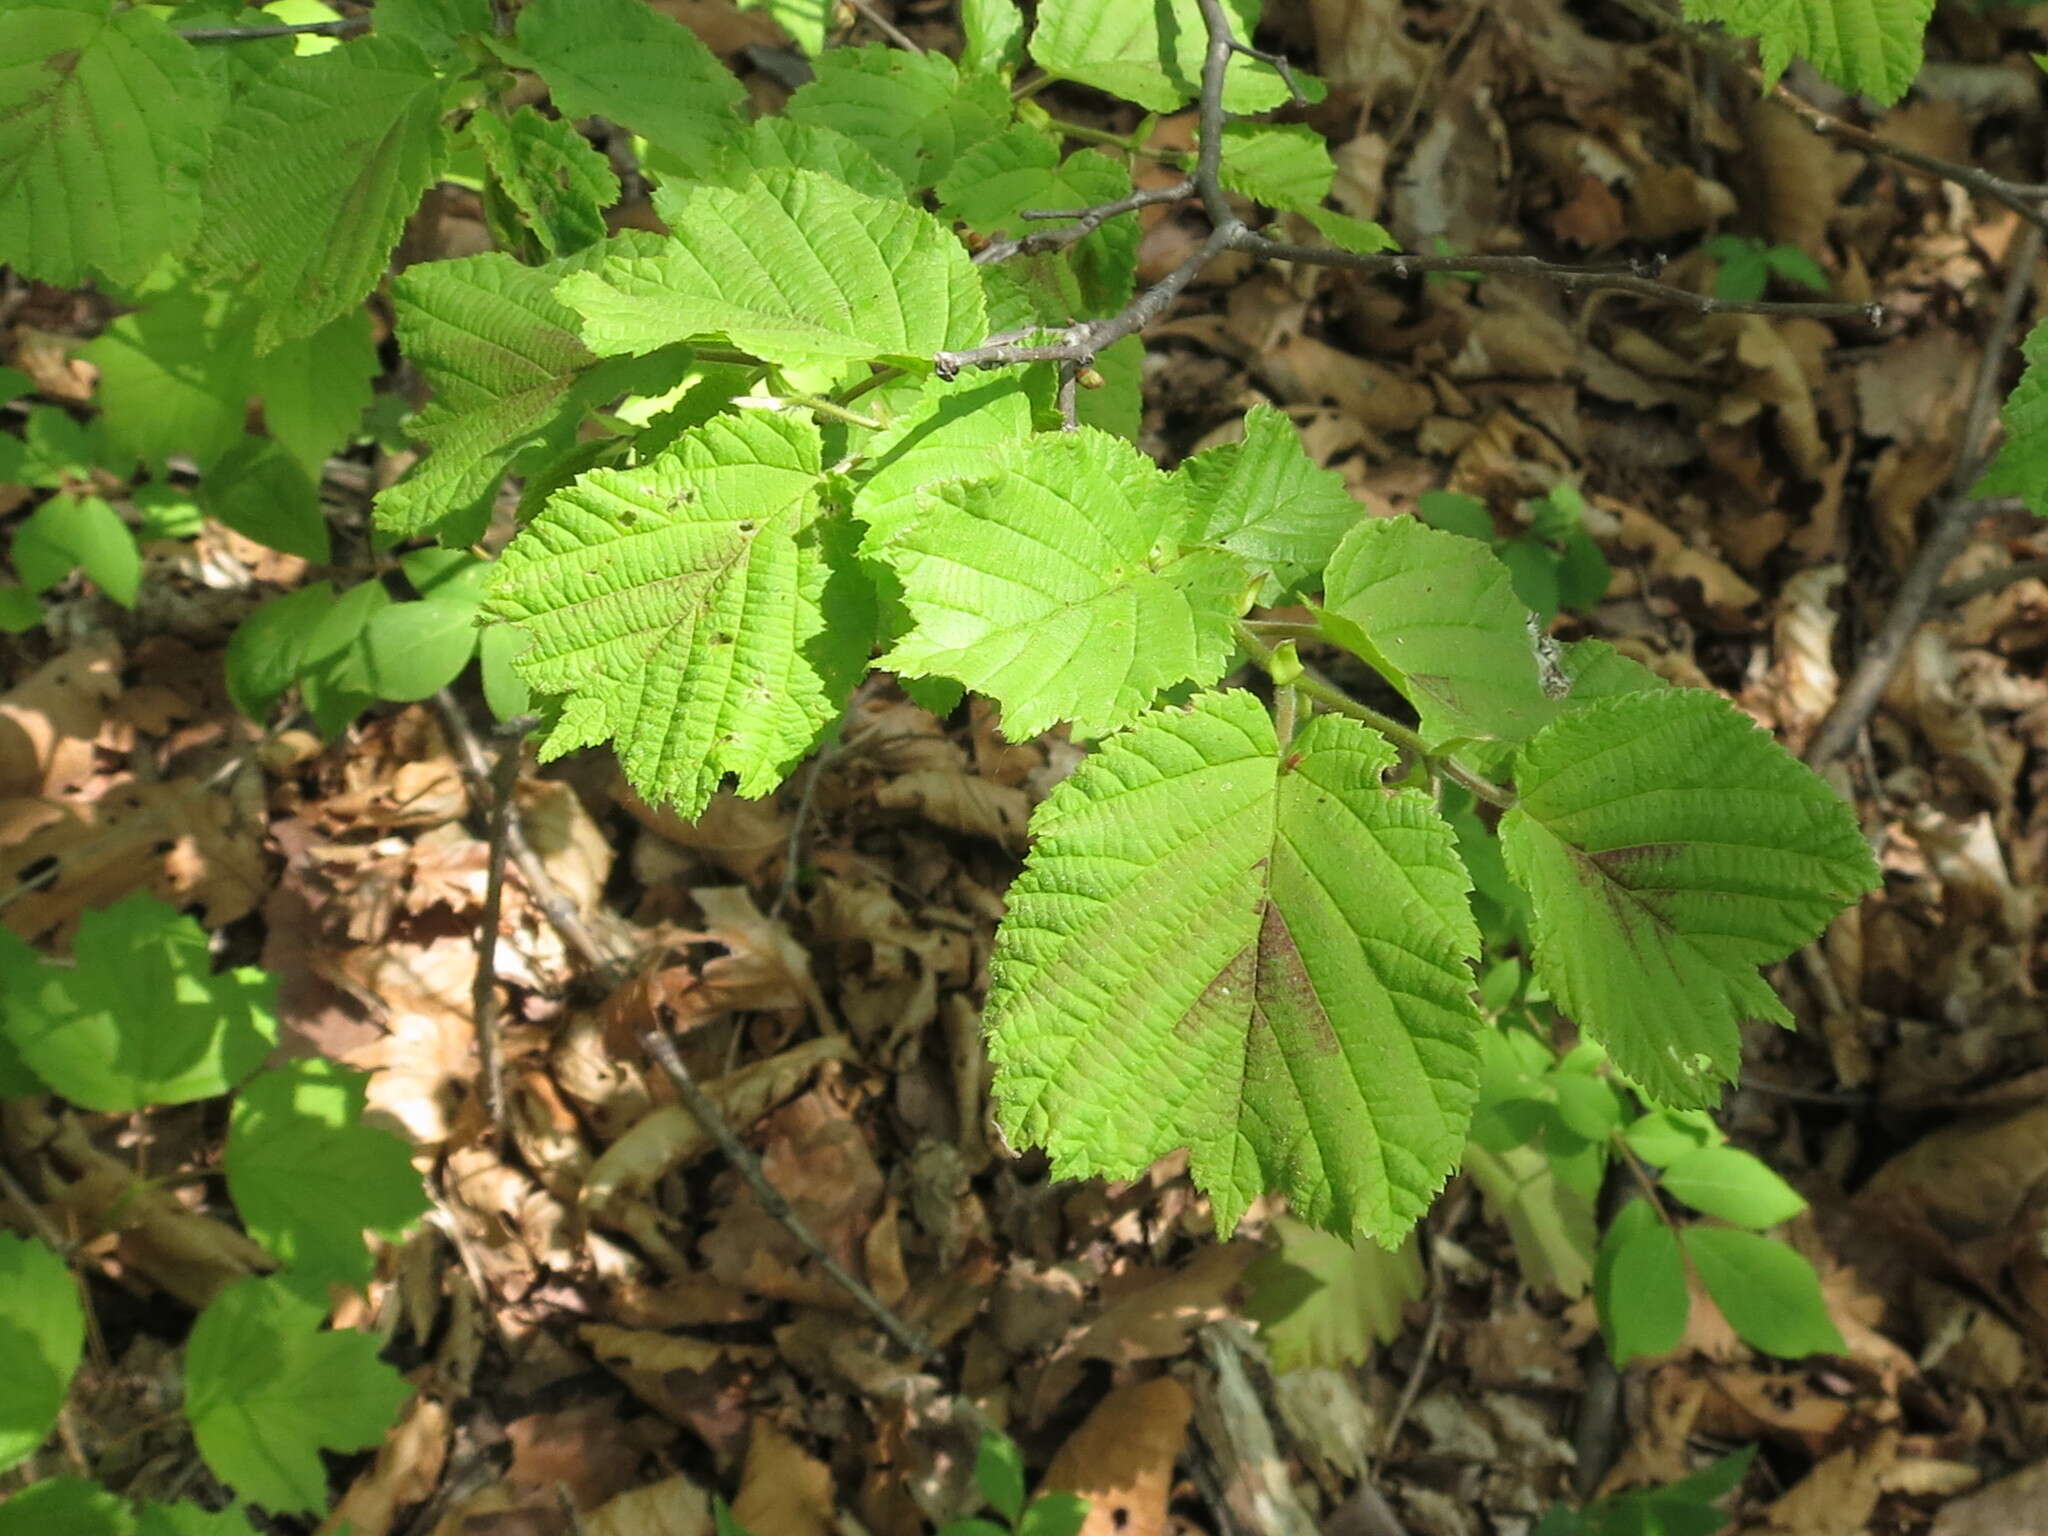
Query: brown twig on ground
[(341, 26), (1948, 532), (1412, 1387), (1958, 592), (484, 992)]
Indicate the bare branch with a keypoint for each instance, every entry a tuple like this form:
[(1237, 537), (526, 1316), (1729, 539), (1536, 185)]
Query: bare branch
[(341, 26), (1086, 222), (1959, 592), (885, 26)]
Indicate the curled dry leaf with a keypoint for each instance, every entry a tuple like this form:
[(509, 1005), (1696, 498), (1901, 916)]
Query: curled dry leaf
[(961, 803), (746, 838)]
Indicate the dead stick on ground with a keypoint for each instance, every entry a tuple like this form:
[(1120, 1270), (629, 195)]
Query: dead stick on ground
[(1947, 534), (484, 993)]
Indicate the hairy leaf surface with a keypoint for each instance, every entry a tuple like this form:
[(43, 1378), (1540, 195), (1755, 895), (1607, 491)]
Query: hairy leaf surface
[(687, 609), (555, 181), (913, 112), (1670, 848), (1058, 585), (1872, 46), (106, 120), (1267, 500), (794, 268), (1261, 957), (1150, 52), (624, 60), (318, 165)]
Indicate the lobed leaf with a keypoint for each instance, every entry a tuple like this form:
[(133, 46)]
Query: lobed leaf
[(1263, 958), (1670, 848)]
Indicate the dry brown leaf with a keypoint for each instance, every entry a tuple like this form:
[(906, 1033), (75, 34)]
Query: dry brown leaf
[(1838, 1497), (675, 1506), (961, 803), (407, 1467), (51, 718), (745, 837), (690, 1382), (2013, 1506), (784, 1491), (1121, 1459), (584, 1449), (765, 959)]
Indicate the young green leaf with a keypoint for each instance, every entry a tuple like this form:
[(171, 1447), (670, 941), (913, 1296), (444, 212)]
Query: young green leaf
[(1768, 1293), (999, 1474), (555, 181), (794, 268), (625, 60), (992, 185), (42, 1334), (106, 121), (1058, 1513), (1867, 46), (336, 678), (153, 1519), (309, 1178), (1360, 236), (498, 653), (1265, 499), (2021, 468), (142, 1018), (682, 607), (1436, 615), (1671, 848), (1733, 1185), (266, 1391), (1322, 1301), (82, 532), (1550, 1223), (994, 36), (268, 648), (435, 27), (913, 112), (1261, 956), (170, 381), (317, 166), (1278, 165), (66, 1506), (1664, 1136), (416, 649), (259, 490), (1058, 585), (1150, 52), (1639, 1285), (315, 390)]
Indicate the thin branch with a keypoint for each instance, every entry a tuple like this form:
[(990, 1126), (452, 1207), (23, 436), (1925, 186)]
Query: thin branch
[(484, 992), (1947, 535), (1086, 222), (885, 26), (1959, 592), (341, 26)]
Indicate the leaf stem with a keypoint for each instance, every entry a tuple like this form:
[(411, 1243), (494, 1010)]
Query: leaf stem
[(815, 404)]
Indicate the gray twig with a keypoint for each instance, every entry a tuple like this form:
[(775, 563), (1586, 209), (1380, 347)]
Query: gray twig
[(341, 26), (484, 993), (1959, 592), (885, 26), (1948, 533)]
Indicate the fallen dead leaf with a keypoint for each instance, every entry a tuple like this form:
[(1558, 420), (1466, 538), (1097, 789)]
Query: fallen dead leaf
[(1122, 1456), (784, 1490)]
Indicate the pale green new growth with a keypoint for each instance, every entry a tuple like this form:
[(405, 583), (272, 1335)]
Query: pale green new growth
[(1260, 954), (952, 432), (1872, 46), (1059, 586), (1361, 236), (1150, 52), (794, 268), (2021, 468), (1265, 499), (682, 609), (502, 355), (1323, 1302), (105, 125), (316, 167), (1669, 848), (624, 60)]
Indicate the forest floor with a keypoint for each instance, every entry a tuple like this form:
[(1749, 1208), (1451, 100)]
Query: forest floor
[(603, 1320)]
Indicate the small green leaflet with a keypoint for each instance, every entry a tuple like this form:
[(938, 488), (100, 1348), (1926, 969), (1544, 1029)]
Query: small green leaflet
[(553, 182), (141, 1019), (1058, 585), (1279, 165), (1263, 956), (624, 60), (1871, 46), (1551, 1224), (994, 42), (42, 1334), (266, 1391), (1267, 501), (191, 1520), (66, 1506), (999, 1474), (106, 121), (1768, 1293), (2021, 467), (1639, 1285), (1733, 1185), (268, 647), (503, 357), (689, 609), (1670, 848), (794, 268), (258, 489), (71, 532), (317, 166), (1150, 52), (1361, 236), (309, 1178), (1322, 1301), (913, 112)]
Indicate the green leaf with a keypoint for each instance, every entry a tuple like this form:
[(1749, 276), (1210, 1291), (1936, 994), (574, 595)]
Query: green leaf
[(309, 1178), (1118, 407), (1670, 848), (556, 182), (170, 382), (106, 120), (1768, 1293), (1436, 615), (624, 60), (316, 168), (913, 112), (1263, 960), (1054, 1514), (498, 652), (1151, 53), (1361, 236), (191, 1520), (142, 1019), (315, 390), (268, 648), (81, 532), (1279, 166), (416, 649), (1322, 1301), (794, 268), (683, 608), (1870, 46), (994, 36), (2021, 468), (992, 184), (808, 22), (1731, 1184), (999, 1474), (42, 1334), (1639, 1285), (435, 27), (258, 489), (266, 1391), (950, 433), (1058, 585), (502, 356), (335, 681), (1795, 266), (1455, 512), (1266, 500), (1588, 1107), (1663, 1136), (778, 142), (1550, 1223), (66, 1506)]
